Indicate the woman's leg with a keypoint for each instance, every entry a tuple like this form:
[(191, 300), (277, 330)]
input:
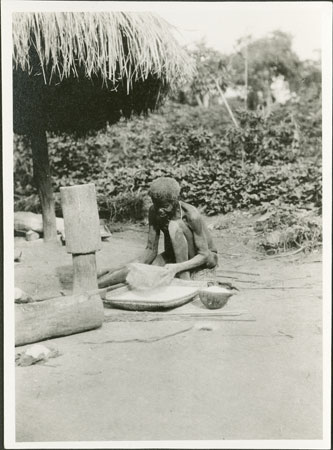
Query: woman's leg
[(189, 238), (179, 245), (160, 260)]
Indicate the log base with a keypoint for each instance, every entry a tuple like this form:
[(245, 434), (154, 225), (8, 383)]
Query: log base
[(57, 317)]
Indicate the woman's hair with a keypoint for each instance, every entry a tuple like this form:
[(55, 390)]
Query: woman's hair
[(164, 188)]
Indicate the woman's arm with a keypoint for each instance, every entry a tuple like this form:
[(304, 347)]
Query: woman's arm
[(151, 249), (119, 274), (200, 241)]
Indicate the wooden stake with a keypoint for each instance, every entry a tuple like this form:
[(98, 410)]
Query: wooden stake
[(226, 104)]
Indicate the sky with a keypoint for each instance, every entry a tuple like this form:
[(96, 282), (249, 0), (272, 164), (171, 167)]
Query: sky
[(221, 24)]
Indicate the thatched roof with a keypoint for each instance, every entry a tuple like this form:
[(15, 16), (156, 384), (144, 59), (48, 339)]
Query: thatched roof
[(91, 67)]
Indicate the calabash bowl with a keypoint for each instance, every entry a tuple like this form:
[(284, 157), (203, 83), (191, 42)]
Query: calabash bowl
[(215, 297)]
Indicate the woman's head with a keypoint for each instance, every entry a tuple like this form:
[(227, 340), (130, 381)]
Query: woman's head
[(164, 192), (164, 188)]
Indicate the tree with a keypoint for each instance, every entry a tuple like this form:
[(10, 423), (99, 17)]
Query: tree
[(210, 68), (307, 106), (266, 58), (75, 72)]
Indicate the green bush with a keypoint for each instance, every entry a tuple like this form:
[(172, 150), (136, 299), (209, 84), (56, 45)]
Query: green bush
[(285, 227), (220, 167), (263, 139), (129, 206), (220, 188)]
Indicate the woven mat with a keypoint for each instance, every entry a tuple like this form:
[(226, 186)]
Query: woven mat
[(192, 311)]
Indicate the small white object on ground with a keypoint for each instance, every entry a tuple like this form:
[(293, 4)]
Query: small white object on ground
[(31, 236), (37, 351), (21, 296), (34, 354)]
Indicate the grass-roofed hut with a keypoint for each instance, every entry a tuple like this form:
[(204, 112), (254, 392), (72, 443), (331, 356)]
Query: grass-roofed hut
[(75, 72)]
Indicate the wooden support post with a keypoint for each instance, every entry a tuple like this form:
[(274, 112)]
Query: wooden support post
[(42, 176), (84, 272), (82, 232)]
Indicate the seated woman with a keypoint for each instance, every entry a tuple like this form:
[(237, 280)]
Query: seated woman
[(188, 244)]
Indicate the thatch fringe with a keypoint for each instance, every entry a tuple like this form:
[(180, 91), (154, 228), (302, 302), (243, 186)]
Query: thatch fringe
[(113, 46)]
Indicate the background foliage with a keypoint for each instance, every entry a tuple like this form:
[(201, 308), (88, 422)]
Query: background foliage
[(219, 167), (272, 160)]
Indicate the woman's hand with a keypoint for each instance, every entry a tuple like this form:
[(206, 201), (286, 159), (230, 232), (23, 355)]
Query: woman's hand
[(173, 269)]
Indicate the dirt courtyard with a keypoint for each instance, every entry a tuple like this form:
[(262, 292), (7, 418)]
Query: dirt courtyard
[(253, 373)]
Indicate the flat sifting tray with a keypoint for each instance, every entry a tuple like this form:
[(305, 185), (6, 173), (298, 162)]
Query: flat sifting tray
[(164, 297)]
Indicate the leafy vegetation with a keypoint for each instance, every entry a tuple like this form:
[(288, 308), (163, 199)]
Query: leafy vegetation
[(181, 142), (287, 228), (270, 162), (267, 58), (211, 69)]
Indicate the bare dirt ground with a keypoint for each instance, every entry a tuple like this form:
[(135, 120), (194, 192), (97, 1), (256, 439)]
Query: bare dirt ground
[(256, 374)]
